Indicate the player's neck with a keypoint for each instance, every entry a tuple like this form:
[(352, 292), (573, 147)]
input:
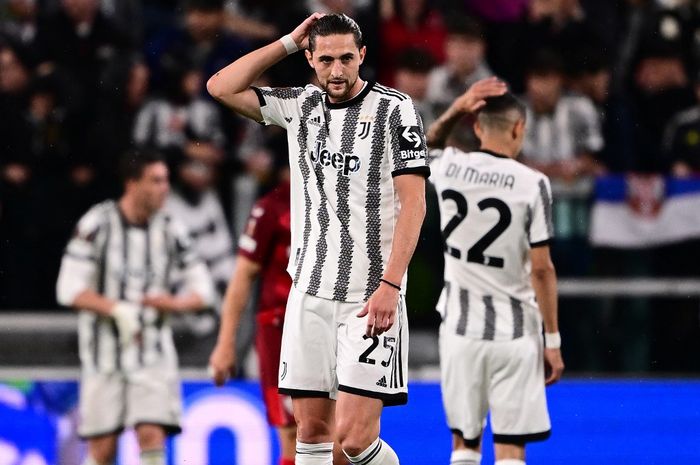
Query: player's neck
[(499, 148), (134, 215)]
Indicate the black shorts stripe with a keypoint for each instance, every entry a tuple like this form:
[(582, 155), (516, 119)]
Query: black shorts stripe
[(520, 439), (390, 400), (303, 393)]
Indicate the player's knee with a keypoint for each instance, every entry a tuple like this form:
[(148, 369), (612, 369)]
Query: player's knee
[(101, 453), (355, 438), (313, 430), (150, 436)]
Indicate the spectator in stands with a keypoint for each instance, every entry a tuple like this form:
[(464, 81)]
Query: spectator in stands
[(661, 90), (80, 44), (19, 20), (464, 65), (180, 122), (563, 131), (592, 78), (412, 77), (405, 24), (195, 203), (681, 143), (204, 42)]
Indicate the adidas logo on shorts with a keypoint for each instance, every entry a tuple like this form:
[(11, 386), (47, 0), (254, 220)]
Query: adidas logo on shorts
[(382, 382)]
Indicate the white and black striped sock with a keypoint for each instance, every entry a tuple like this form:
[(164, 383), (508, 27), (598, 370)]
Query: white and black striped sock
[(465, 457), (510, 462), (314, 454), (153, 457), (378, 453)]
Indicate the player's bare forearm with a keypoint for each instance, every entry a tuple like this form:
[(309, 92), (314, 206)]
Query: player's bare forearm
[(544, 282), (169, 303), (440, 129), (92, 301), (231, 85), (235, 300), (411, 192), (466, 104)]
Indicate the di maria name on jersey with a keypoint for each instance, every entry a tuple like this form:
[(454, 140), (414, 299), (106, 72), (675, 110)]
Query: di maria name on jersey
[(343, 157)]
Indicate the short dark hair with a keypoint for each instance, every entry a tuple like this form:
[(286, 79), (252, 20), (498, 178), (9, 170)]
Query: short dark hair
[(416, 60), (334, 24), (498, 110), (465, 26), (134, 162)]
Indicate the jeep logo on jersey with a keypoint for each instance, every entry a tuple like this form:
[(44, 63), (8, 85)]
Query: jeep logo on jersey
[(411, 145), (344, 162)]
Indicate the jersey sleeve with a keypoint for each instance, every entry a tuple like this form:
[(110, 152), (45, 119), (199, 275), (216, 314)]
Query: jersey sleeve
[(192, 270), (79, 266), (407, 148), (257, 240), (540, 227), (279, 105)]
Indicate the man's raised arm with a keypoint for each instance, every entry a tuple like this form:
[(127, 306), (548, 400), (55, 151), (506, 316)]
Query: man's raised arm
[(231, 85)]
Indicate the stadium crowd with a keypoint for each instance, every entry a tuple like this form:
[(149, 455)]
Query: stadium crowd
[(611, 87)]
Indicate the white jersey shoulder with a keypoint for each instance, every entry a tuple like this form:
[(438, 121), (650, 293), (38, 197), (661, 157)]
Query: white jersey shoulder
[(493, 211)]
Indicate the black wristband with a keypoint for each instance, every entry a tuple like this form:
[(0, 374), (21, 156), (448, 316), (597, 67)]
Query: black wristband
[(389, 283)]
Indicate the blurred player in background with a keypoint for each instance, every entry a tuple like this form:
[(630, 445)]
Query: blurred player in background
[(500, 284), (263, 250), (117, 271), (358, 168)]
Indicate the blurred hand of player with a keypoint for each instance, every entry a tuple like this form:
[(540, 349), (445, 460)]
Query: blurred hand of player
[(380, 310), (126, 316), (222, 363), (301, 33), (163, 302), (553, 366), (473, 99)]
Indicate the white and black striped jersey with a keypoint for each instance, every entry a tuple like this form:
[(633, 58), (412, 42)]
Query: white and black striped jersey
[(206, 224), (493, 210), (343, 157), (126, 262)]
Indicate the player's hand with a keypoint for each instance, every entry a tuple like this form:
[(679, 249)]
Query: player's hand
[(380, 310), (553, 366), (126, 317), (222, 363), (474, 98), (163, 302), (301, 33)]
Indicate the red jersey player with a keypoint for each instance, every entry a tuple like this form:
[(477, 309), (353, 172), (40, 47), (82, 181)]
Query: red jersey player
[(263, 250)]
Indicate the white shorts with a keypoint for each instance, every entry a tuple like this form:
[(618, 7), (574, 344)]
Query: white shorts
[(506, 378), (325, 350), (109, 402)]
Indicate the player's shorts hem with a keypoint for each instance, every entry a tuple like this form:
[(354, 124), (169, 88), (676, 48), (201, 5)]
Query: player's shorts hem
[(420, 170), (118, 430), (304, 393), (170, 428), (468, 442), (389, 400), (519, 439)]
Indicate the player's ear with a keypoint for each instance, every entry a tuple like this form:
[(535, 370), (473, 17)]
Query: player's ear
[(363, 52), (518, 128), (477, 128), (309, 57)]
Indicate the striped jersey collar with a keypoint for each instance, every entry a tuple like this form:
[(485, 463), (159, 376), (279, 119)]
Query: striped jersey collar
[(495, 154), (351, 101)]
